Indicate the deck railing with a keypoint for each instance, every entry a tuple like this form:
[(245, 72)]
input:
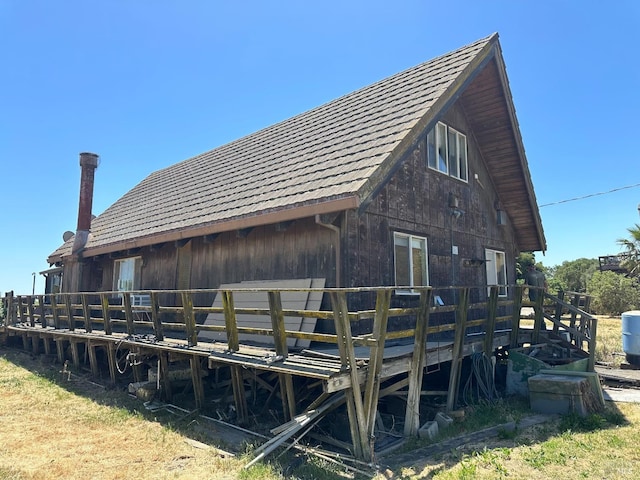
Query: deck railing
[(177, 315)]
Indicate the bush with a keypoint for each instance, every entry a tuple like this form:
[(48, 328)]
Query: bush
[(613, 293)]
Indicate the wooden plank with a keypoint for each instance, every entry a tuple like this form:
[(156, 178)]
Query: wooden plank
[(416, 372), (128, 314), (592, 345), (106, 314), (43, 314), (164, 381), (86, 312), (196, 379), (230, 321), (458, 344), (189, 319), (277, 323), (490, 326), (357, 418), (538, 321), (239, 396), (111, 356), (30, 311), (59, 348), (515, 322), (75, 355), (376, 356), (93, 360), (155, 317)]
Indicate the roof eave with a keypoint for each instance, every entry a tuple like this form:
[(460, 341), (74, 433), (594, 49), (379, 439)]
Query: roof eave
[(260, 219)]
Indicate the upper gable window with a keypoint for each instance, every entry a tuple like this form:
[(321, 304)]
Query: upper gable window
[(447, 151)]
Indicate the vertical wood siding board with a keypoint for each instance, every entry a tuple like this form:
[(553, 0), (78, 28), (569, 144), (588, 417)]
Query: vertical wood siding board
[(30, 312), (106, 314)]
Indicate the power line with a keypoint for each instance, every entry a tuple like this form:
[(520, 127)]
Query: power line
[(590, 195)]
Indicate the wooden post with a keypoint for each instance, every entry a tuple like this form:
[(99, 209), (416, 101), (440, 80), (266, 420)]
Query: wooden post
[(538, 322), (111, 356), (93, 360), (106, 313), (54, 312), (155, 317), (70, 320), (32, 318), (558, 313), (412, 415), (376, 357), (515, 319), (165, 382), (355, 407), (20, 309), (43, 312), (196, 378), (86, 312), (189, 319), (592, 345), (46, 341), (233, 344), (277, 323), (128, 314), (458, 349), (60, 348), (10, 313), (490, 327), (231, 326), (75, 355)]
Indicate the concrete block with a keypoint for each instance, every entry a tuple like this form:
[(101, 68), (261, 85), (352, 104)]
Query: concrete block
[(443, 420), (429, 430)]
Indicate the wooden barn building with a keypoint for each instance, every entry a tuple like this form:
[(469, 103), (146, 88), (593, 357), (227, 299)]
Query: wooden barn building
[(418, 179)]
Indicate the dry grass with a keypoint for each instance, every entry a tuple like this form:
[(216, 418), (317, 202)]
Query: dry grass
[(48, 432)]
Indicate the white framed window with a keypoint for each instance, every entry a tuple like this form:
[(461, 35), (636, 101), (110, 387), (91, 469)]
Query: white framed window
[(496, 270), (126, 274), (447, 151), (410, 260)]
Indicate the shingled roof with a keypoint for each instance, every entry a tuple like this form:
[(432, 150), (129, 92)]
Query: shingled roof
[(325, 160)]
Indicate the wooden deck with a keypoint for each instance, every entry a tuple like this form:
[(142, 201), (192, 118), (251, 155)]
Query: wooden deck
[(359, 368)]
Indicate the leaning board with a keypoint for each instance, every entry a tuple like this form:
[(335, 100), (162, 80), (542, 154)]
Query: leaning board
[(291, 300)]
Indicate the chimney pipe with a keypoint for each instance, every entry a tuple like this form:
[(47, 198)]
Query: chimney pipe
[(88, 165)]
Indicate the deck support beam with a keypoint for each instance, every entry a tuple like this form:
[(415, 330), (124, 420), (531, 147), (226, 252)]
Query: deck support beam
[(418, 360), (458, 344)]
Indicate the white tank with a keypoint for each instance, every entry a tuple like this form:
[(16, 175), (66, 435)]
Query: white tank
[(631, 336)]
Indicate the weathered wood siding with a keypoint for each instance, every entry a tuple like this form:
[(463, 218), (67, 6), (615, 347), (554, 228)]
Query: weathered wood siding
[(415, 201)]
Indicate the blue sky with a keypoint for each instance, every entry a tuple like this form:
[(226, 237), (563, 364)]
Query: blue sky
[(148, 83)]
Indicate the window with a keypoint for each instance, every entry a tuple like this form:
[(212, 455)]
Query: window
[(496, 270), (447, 151), (410, 256), (126, 274)]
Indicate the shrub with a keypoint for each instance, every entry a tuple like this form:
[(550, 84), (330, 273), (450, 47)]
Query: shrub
[(613, 293)]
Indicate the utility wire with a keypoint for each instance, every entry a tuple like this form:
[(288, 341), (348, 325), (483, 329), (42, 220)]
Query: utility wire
[(590, 195)]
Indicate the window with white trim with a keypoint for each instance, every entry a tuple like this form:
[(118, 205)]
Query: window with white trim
[(496, 270), (447, 151), (126, 274), (410, 259)]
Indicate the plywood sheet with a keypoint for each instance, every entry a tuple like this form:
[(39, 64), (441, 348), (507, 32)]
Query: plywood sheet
[(293, 300)]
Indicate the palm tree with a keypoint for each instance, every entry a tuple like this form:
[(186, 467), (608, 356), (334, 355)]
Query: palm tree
[(632, 246)]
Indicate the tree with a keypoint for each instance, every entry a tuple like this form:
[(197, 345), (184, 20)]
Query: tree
[(574, 275), (632, 247), (613, 293)]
